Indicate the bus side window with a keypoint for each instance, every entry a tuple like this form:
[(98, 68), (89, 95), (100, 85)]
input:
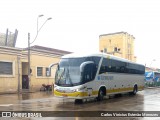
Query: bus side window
[(108, 65), (122, 69), (114, 65), (102, 69), (104, 66)]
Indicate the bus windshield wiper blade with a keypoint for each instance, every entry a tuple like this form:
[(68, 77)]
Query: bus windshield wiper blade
[(69, 77), (62, 74)]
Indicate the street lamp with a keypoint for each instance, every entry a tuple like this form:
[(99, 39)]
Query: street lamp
[(37, 20), (29, 43), (152, 62)]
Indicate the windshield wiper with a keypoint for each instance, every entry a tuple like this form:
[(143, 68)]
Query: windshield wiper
[(62, 74), (68, 75)]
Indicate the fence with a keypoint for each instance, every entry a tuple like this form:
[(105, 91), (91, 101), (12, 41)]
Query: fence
[(152, 83)]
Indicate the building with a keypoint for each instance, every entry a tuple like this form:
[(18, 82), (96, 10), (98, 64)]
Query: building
[(120, 44), (14, 67), (8, 39), (151, 69)]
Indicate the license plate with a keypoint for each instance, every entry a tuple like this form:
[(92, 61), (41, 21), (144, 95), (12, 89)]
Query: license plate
[(64, 95)]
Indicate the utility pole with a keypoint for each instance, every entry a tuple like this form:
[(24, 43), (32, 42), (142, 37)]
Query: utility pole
[(29, 49), (29, 67), (18, 61)]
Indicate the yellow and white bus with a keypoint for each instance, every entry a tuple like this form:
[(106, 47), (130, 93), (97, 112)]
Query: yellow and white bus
[(97, 75)]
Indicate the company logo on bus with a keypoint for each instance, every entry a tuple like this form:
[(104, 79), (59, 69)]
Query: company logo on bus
[(102, 77)]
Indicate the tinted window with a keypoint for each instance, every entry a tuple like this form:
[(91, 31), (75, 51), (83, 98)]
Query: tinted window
[(110, 65), (78, 61), (135, 68)]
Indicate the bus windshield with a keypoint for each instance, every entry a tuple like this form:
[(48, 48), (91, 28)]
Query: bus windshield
[(68, 72)]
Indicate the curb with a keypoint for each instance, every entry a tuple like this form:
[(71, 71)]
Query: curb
[(152, 87), (16, 92)]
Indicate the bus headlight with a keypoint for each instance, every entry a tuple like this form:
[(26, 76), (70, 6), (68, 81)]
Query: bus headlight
[(81, 88), (55, 87)]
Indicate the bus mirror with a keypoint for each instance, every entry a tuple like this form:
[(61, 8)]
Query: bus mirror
[(50, 66), (82, 66), (88, 71), (58, 67)]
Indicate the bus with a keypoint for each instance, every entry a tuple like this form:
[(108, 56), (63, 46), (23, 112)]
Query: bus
[(83, 76)]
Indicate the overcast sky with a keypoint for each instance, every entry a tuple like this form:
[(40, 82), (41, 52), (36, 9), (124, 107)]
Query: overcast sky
[(77, 24)]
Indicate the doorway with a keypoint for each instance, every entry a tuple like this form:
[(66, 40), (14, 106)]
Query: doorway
[(25, 80)]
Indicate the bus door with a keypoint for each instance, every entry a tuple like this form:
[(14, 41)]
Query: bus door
[(88, 74)]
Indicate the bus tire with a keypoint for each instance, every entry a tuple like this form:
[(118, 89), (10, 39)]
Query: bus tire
[(78, 101), (100, 95), (135, 89)]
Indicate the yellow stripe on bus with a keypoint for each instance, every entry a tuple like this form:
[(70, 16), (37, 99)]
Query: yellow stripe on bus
[(85, 94)]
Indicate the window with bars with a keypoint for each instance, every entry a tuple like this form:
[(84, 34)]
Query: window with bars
[(105, 50), (43, 72), (6, 68), (48, 72), (39, 71)]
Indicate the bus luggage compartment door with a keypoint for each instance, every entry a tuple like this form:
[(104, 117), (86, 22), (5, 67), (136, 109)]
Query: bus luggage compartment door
[(89, 90)]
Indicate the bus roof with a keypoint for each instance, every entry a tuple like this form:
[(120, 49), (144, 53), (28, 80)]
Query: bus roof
[(98, 54)]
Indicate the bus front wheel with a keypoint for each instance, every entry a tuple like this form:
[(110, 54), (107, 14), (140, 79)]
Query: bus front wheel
[(100, 95), (78, 101)]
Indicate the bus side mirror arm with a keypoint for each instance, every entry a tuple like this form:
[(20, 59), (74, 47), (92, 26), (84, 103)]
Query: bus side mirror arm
[(84, 64), (50, 66)]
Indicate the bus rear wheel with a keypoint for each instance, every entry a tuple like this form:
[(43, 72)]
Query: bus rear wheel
[(135, 90)]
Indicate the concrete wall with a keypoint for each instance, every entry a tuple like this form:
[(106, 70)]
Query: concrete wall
[(9, 83)]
